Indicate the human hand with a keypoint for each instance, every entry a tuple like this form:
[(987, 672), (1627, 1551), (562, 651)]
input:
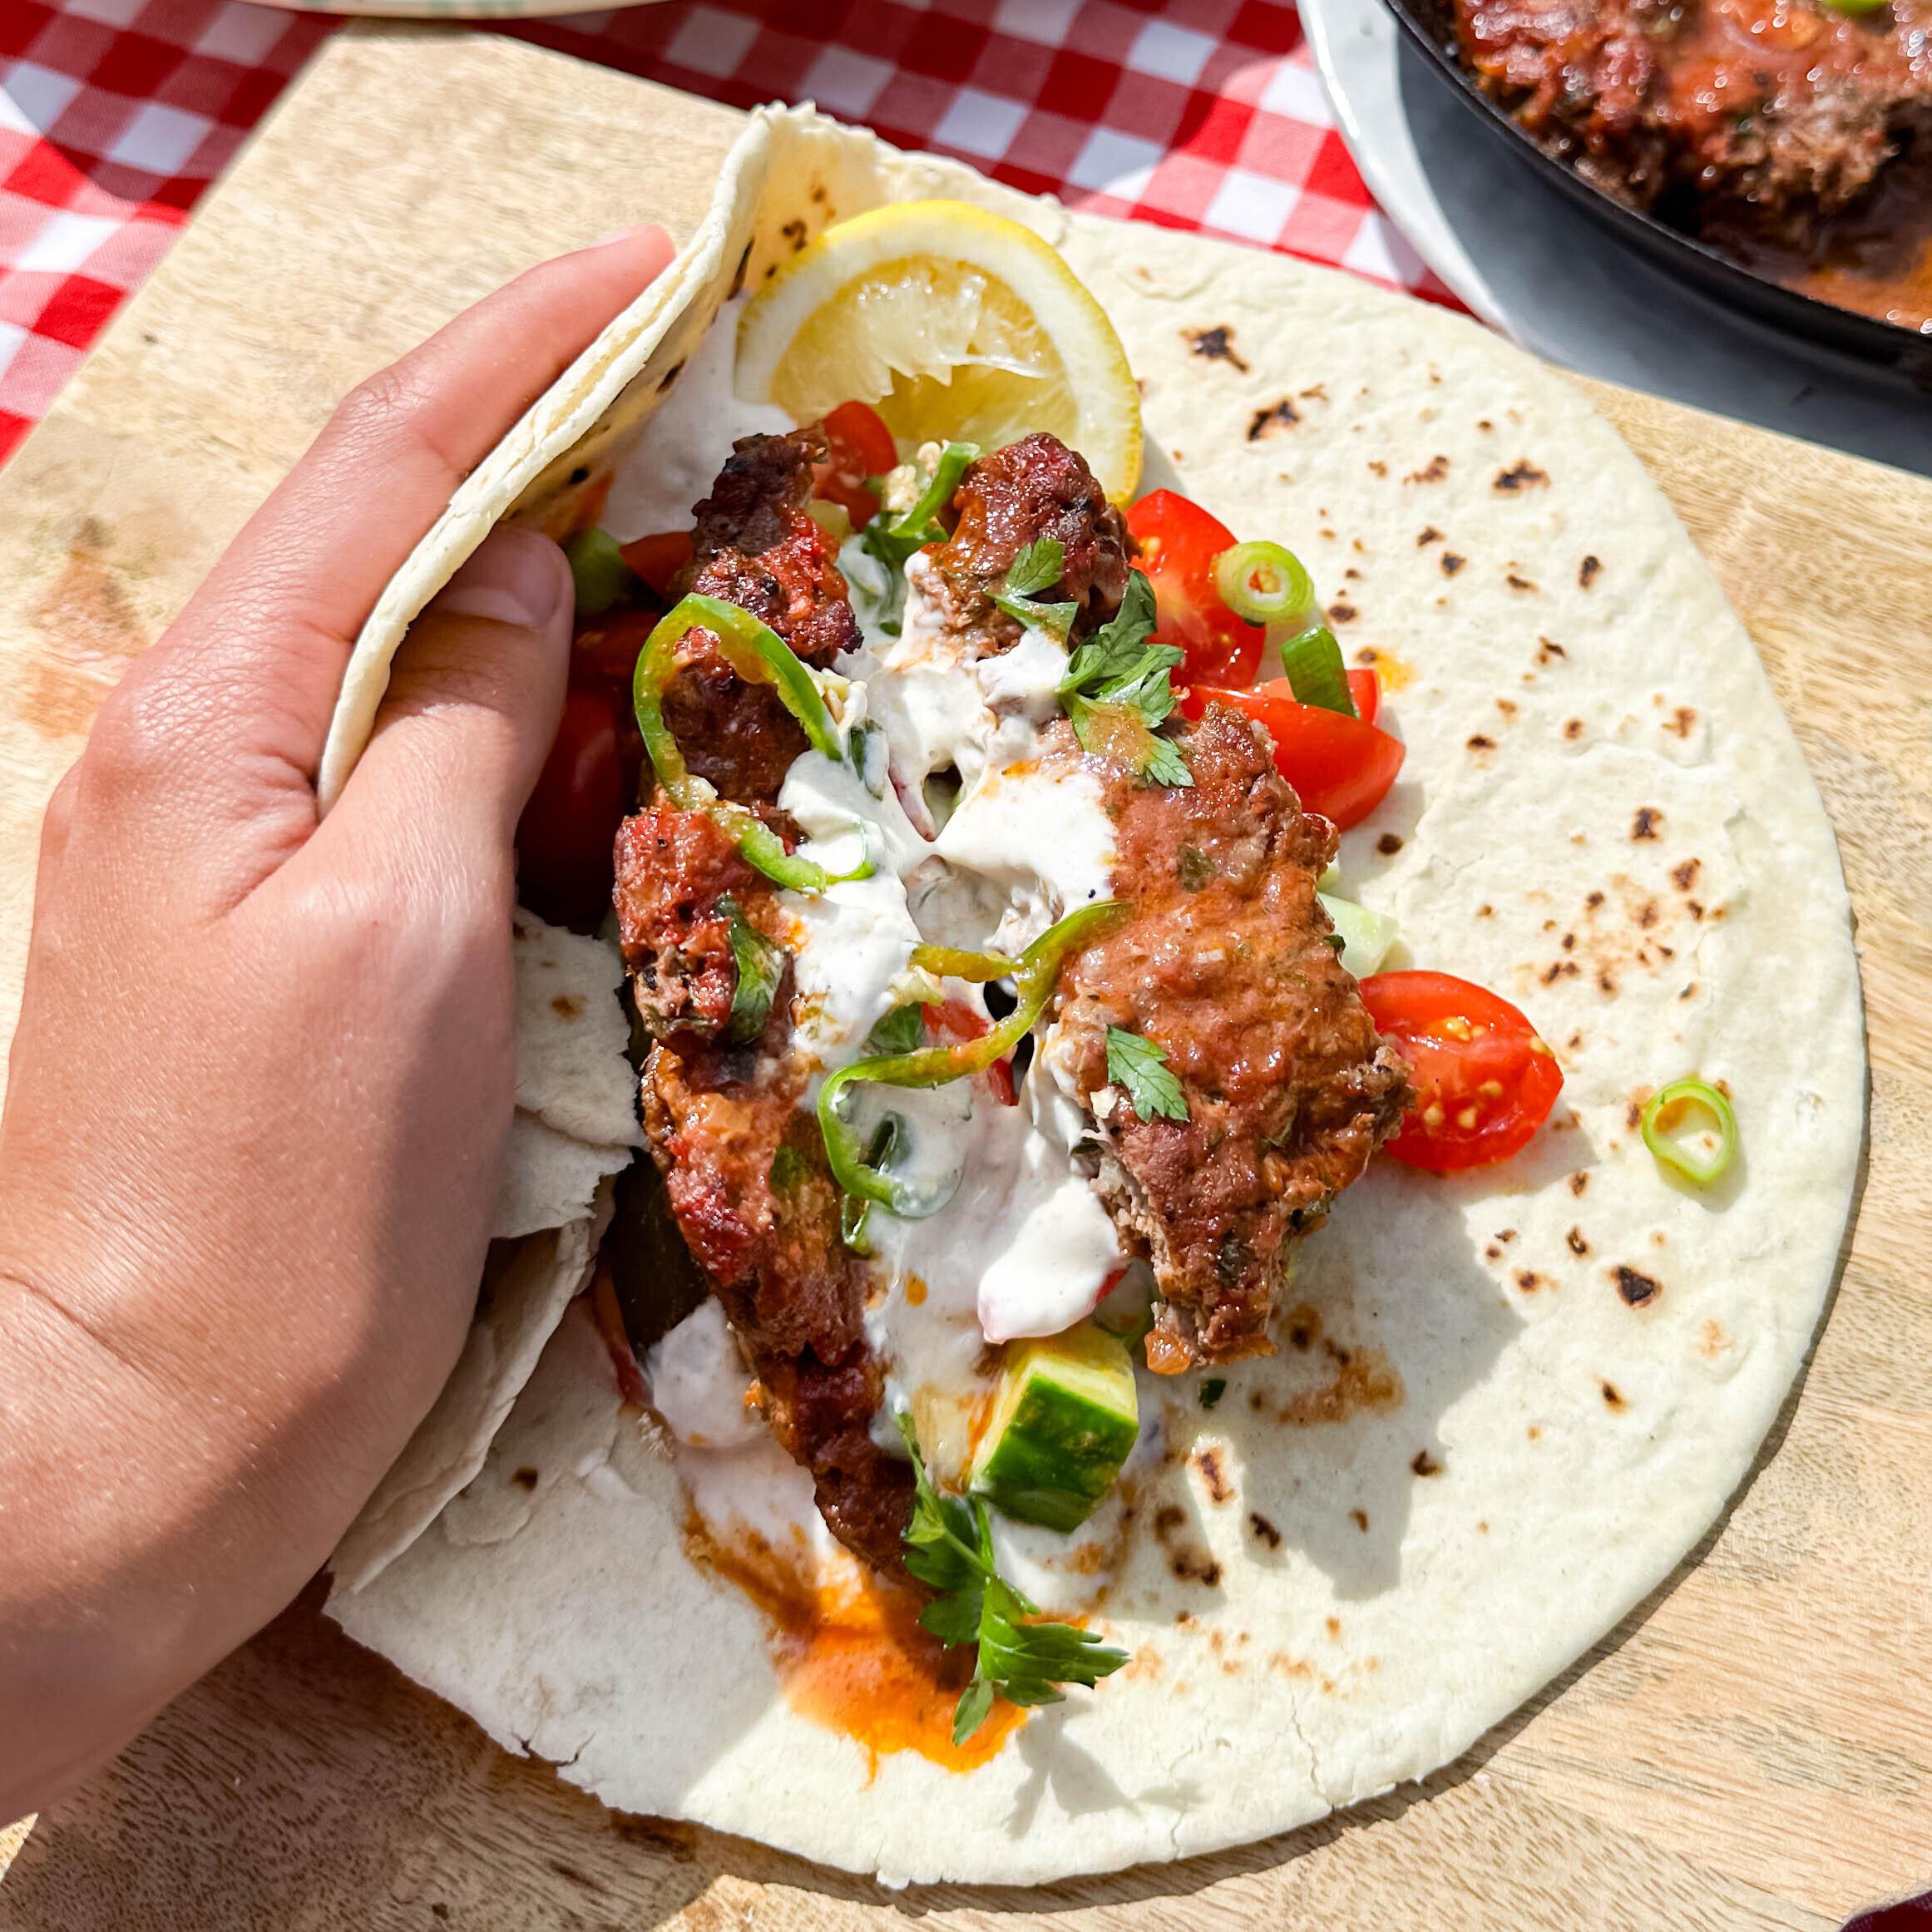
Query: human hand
[(258, 1101)]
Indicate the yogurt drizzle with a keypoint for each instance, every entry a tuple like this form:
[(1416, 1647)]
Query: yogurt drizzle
[(1024, 1247)]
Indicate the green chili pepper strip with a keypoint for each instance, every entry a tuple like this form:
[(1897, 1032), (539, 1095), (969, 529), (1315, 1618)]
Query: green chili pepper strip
[(754, 651), (1265, 584), (760, 656), (949, 962), (893, 542), (855, 1215), (954, 461), (1661, 1113), (1034, 977)]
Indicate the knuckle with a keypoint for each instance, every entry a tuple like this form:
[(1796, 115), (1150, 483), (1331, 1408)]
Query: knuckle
[(58, 818), (137, 741), (380, 407), (456, 661)]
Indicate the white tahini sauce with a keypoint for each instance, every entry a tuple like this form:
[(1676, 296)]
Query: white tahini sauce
[(974, 845), (1023, 1247), (700, 1386)]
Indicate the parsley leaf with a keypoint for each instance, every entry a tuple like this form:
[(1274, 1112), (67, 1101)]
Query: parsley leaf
[(1117, 642), (761, 965), (1140, 1067), (1119, 691), (1165, 766), (972, 1710), (1037, 568), (949, 1546), (902, 1030)]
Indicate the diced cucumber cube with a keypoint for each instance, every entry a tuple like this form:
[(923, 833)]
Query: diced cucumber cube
[(1367, 935), (1065, 1417)]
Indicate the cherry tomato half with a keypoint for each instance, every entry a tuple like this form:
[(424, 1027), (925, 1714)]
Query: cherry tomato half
[(565, 838), (1178, 543), (605, 649), (658, 559), (858, 445), (1363, 686), (1366, 687), (1483, 1081), (1340, 766), (952, 1022)]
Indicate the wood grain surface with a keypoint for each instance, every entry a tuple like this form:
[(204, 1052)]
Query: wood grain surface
[(1753, 1747)]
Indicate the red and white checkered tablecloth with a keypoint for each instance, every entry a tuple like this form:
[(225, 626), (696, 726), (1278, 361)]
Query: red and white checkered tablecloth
[(115, 115)]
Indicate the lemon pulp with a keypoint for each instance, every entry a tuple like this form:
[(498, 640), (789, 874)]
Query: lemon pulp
[(954, 324)]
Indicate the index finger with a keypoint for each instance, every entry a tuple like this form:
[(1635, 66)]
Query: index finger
[(273, 626)]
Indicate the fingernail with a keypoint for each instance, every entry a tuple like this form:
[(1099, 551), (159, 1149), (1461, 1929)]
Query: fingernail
[(517, 576)]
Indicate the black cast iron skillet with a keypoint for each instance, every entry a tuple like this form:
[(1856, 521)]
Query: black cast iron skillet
[(1428, 24)]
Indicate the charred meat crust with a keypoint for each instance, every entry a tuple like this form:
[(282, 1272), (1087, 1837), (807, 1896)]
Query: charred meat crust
[(1225, 963), (717, 1119), (674, 868), (1034, 488), (754, 546), (1760, 117), (719, 1116)]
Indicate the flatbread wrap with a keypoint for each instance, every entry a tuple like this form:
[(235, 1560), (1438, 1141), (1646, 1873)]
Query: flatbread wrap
[(1089, 1279), (574, 1130)]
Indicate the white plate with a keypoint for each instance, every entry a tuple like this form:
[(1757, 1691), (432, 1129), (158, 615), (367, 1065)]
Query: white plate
[(1540, 269)]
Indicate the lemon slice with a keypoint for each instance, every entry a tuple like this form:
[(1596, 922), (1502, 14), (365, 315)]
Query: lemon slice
[(956, 324)]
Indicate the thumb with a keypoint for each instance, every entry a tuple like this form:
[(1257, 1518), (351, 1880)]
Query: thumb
[(474, 697)]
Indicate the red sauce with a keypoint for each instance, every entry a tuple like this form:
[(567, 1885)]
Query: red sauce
[(1877, 260), (852, 1654), (609, 1320)]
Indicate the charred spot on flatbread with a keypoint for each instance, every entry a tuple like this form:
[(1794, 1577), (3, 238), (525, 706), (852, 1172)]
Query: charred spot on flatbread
[(1216, 344), (1519, 477)]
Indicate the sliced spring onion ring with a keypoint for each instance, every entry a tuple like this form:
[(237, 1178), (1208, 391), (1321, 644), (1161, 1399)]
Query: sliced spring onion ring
[(1313, 667), (760, 656), (1034, 977), (1265, 584), (1665, 1111), (949, 962), (598, 571), (761, 965)]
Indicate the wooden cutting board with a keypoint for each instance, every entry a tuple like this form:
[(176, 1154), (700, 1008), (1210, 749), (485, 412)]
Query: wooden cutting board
[(1752, 1747)]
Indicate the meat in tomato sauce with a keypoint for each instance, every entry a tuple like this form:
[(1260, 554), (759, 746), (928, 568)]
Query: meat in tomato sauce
[(756, 546), (1032, 489), (1227, 964), (1751, 124)]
